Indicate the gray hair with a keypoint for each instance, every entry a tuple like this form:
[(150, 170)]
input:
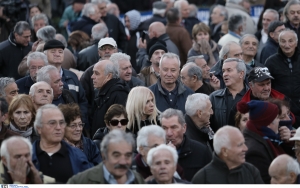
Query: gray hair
[(193, 11), (35, 56), (38, 117), (292, 166), (194, 102), (117, 57), (46, 33), (222, 138), (20, 27), (111, 68), (193, 58), (89, 9), (145, 132), (44, 74), (285, 31), (5, 81), (40, 16), (62, 39), (99, 31), (193, 70), (33, 88), (159, 148), (235, 21), (226, 49), (170, 112), (169, 55), (100, 1), (240, 66), (223, 11), (235, 1), (116, 136), (276, 15), (242, 39), (287, 8), (177, 4)]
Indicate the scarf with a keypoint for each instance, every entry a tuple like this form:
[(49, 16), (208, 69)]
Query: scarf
[(209, 131), (25, 134), (78, 145)]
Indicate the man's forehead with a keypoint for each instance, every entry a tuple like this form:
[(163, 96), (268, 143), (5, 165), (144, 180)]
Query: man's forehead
[(43, 86), (170, 62)]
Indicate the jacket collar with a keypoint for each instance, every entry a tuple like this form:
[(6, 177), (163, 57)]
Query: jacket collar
[(164, 37), (98, 174), (12, 40), (296, 53), (185, 148), (274, 94), (223, 91), (216, 161), (180, 87), (108, 85)]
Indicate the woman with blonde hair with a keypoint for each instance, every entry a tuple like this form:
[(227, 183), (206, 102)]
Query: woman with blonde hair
[(141, 109)]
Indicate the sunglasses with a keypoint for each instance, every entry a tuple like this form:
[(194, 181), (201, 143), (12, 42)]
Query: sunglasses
[(115, 122)]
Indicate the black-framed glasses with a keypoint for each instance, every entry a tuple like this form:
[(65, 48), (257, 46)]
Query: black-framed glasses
[(75, 125), (115, 122)]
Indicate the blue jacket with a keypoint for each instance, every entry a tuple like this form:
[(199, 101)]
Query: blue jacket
[(84, 24), (162, 104), (78, 160), (91, 151), (24, 84)]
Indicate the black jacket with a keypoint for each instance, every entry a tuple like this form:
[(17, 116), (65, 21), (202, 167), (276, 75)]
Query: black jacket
[(154, 18), (11, 54), (84, 24), (88, 56), (270, 48), (217, 172), (115, 91), (189, 24), (87, 84), (24, 84), (192, 156)]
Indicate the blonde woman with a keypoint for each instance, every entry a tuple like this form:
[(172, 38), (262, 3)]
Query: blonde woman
[(141, 109)]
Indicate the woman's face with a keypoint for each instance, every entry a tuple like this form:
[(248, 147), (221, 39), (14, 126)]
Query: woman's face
[(22, 117), (285, 115), (34, 11), (243, 121), (118, 122), (149, 108), (202, 36), (73, 131)]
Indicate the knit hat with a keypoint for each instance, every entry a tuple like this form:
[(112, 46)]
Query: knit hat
[(157, 46), (259, 74), (53, 44), (261, 113), (134, 17)]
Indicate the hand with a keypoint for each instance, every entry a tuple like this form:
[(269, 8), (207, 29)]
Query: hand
[(214, 82), (149, 178), (18, 174), (66, 23), (172, 145), (34, 174), (285, 133), (35, 45), (142, 44), (204, 46)]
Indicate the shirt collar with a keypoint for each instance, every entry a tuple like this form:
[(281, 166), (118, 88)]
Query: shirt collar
[(234, 34), (111, 179)]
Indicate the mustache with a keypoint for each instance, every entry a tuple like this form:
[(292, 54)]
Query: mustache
[(120, 166)]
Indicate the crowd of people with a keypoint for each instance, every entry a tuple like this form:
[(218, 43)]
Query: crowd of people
[(162, 101)]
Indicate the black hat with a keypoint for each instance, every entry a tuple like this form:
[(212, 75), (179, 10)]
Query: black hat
[(53, 44), (157, 46), (79, 1), (259, 74)]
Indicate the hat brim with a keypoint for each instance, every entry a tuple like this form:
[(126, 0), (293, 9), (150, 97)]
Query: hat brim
[(262, 78), (295, 138)]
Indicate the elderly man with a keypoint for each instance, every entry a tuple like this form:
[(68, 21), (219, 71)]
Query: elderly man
[(158, 14), (16, 166), (8, 88), (192, 155), (50, 153), (285, 69), (90, 17), (198, 111), (14, 49), (122, 61), (117, 150), (163, 161), (218, 16), (37, 22), (284, 170), (41, 94), (111, 90), (35, 61), (228, 165), (169, 92), (291, 16), (271, 46)]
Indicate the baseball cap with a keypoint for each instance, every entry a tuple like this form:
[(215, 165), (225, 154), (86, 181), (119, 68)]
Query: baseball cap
[(107, 41), (259, 74)]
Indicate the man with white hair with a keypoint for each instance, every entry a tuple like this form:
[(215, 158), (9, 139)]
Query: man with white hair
[(35, 61), (198, 110), (8, 88), (41, 93), (162, 161), (158, 14), (228, 165), (90, 17), (16, 166), (51, 155), (284, 170)]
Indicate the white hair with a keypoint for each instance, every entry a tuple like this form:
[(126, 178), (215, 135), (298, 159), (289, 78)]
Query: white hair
[(145, 132), (89, 9), (44, 74), (153, 151), (178, 3), (36, 55), (194, 102), (222, 138), (285, 31), (39, 16), (33, 88), (169, 55), (99, 31), (100, 1), (116, 57), (4, 82), (292, 166)]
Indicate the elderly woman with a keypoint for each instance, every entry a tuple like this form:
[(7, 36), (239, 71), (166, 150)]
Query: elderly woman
[(21, 114), (141, 109), (73, 133), (203, 45)]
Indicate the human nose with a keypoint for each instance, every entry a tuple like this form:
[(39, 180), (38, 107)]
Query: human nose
[(245, 147)]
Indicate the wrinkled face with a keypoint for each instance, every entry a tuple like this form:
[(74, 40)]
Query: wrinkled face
[(216, 16), (186, 79), (185, 11), (34, 66), (285, 114), (163, 166), (293, 14), (274, 125), (102, 8), (38, 24), (125, 70), (268, 17), (288, 43), (152, 142), (23, 39), (10, 91), (96, 16), (235, 52), (249, 46), (42, 95), (150, 106), (205, 114), (121, 126), (55, 56), (34, 11), (204, 67), (98, 77), (53, 126), (56, 83), (22, 117), (169, 70), (230, 74), (261, 90), (276, 33), (106, 51), (156, 56), (279, 175), (74, 130), (77, 7), (243, 121), (118, 159), (237, 151), (174, 130), (202, 36)]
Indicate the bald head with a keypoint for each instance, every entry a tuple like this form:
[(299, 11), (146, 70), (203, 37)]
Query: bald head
[(156, 29)]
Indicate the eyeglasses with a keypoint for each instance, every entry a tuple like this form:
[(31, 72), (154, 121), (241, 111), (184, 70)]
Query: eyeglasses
[(75, 125), (115, 122), (104, 48), (53, 123), (154, 146)]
